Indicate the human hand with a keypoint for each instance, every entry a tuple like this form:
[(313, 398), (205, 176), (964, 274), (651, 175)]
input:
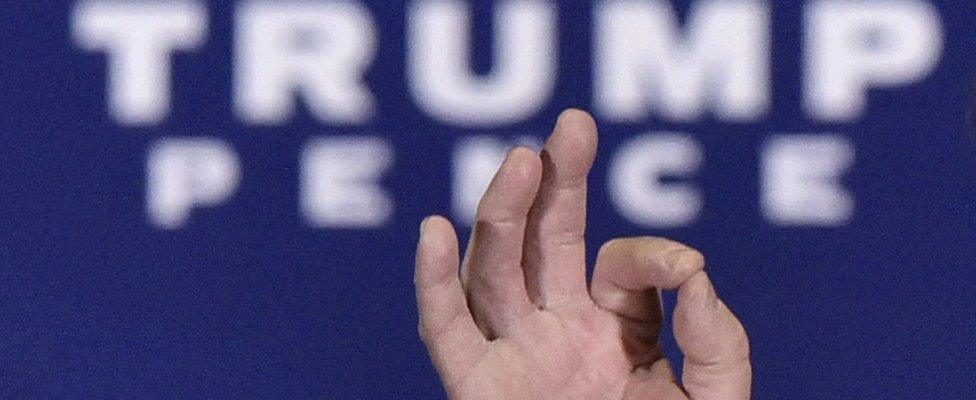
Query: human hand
[(520, 321)]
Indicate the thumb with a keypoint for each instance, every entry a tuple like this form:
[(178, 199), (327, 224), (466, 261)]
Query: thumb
[(714, 343)]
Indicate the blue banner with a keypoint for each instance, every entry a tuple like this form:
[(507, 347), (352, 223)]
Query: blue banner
[(222, 199)]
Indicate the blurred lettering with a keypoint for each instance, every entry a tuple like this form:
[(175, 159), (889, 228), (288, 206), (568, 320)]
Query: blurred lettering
[(644, 63), (801, 180), (340, 185), (139, 38), (523, 75), (636, 185), (319, 50), (853, 46), (183, 174)]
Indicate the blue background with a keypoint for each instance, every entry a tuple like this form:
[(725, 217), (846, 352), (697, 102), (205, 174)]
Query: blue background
[(247, 301)]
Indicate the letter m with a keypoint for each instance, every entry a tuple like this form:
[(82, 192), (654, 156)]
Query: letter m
[(644, 63)]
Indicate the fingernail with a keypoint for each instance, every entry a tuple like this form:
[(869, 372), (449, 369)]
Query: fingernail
[(564, 114), (511, 152)]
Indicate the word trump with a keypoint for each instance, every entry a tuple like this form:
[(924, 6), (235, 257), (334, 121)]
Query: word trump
[(645, 64)]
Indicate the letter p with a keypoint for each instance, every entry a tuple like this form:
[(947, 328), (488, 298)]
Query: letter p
[(183, 174)]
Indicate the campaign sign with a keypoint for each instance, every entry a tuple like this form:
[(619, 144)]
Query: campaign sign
[(222, 199)]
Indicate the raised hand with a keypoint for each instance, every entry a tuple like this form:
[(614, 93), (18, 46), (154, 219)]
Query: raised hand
[(521, 322)]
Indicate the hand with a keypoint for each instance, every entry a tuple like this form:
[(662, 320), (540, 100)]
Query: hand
[(520, 322)]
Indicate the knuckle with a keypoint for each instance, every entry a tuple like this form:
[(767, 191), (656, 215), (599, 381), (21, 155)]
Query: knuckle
[(488, 227), (433, 332), (565, 238)]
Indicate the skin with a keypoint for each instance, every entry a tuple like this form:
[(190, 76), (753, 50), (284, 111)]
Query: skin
[(520, 321)]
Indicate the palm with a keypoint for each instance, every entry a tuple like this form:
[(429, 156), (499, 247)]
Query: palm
[(522, 322), (568, 353)]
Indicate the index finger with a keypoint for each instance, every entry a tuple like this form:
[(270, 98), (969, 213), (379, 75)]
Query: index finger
[(712, 339)]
